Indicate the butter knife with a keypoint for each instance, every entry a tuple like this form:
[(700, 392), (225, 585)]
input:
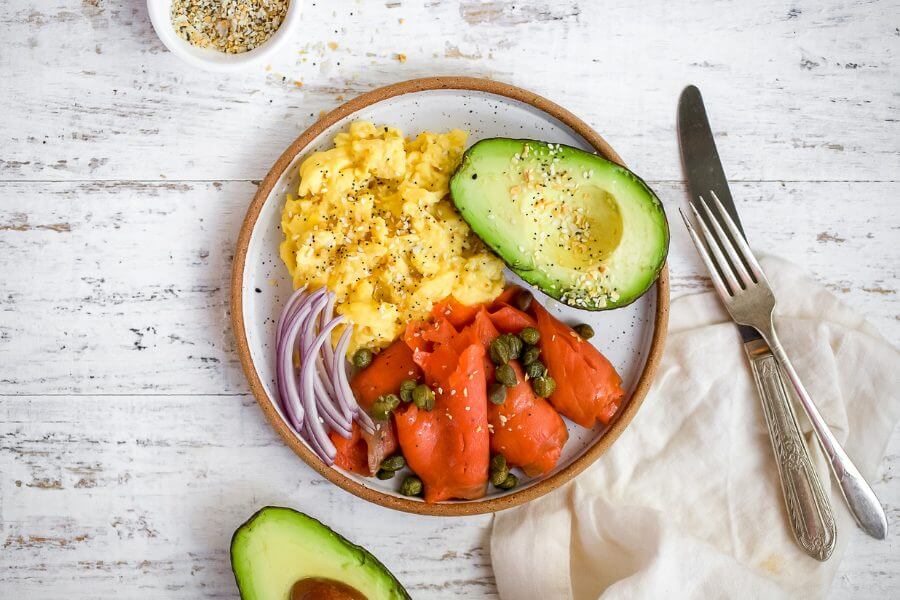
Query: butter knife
[(809, 510)]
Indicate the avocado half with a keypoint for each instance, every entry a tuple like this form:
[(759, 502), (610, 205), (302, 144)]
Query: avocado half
[(585, 230), (278, 547)]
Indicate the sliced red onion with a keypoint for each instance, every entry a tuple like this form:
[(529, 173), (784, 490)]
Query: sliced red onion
[(337, 367), (286, 375), (323, 398), (289, 311), (342, 384), (324, 360), (316, 397), (307, 374), (289, 308)]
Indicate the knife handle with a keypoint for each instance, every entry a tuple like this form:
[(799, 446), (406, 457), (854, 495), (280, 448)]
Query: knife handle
[(808, 508)]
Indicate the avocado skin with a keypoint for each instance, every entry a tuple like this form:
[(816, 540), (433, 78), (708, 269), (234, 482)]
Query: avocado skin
[(363, 559), (533, 274)]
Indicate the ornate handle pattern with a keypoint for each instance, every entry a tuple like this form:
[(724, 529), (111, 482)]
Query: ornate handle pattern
[(808, 507)]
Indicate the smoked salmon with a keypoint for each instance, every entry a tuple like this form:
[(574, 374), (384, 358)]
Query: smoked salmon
[(587, 386), (449, 447), (388, 369), (526, 429)]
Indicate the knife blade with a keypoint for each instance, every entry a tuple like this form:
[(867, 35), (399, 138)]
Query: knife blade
[(702, 167)]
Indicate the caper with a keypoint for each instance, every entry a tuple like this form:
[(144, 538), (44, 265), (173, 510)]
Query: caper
[(498, 461), (500, 351), (506, 375), (584, 330), (523, 301), (543, 386), (535, 370), (499, 470), (384, 405), (411, 486), (509, 483), (515, 345), (423, 397), (384, 474), (531, 354), (362, 358), (530, 335), (497, 393), (406, 389), (394, 463)]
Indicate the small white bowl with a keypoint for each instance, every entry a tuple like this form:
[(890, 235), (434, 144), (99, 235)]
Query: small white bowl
[(214, 60)]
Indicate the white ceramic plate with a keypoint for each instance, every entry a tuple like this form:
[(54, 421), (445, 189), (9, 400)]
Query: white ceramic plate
[(625, 336)]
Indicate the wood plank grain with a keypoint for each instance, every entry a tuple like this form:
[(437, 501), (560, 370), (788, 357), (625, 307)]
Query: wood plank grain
[(122, 287), (138, 497), (796, 91)]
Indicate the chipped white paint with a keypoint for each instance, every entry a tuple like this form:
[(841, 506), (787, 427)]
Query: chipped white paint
[(129, 449)]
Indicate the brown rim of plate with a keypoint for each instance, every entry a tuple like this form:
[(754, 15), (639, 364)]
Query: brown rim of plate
[(460, 508)]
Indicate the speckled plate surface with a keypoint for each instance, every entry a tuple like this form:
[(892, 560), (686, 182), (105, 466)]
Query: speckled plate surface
[(631, 337)]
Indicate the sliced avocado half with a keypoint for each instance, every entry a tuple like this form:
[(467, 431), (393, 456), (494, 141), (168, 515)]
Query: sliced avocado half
[(585, 230), (279, 547)]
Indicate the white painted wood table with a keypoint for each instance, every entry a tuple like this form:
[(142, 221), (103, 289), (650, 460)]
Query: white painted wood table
[(130, 448)]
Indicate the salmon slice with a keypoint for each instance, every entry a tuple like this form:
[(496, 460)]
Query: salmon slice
[(507, 296), (449, 447), (389, 368), (587, 386), (423, 335), (511, 320), (384, 376), (480, 331), (459, 315), (526, 429)]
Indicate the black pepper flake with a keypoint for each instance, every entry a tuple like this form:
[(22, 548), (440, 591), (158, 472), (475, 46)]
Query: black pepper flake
[(474, 175)]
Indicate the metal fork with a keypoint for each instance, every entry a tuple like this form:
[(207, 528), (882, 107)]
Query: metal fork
[(748, 297)]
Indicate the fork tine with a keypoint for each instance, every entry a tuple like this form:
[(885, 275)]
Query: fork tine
[(743, 246), (707, 259), (725, 243), (716, 253)]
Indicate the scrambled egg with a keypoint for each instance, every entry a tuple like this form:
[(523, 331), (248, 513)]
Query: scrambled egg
[(373, 222)]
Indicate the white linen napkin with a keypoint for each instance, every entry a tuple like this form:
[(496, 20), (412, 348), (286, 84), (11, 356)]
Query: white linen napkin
[(687, 503)]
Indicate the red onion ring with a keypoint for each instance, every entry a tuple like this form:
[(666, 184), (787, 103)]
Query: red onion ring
[(316, 397), (307, 372), (285, 374)]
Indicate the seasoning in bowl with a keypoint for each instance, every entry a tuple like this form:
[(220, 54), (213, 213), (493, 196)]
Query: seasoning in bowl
[(231, 26)]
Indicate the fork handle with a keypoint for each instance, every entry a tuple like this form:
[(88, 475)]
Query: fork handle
[(808, 508), (863, 504)]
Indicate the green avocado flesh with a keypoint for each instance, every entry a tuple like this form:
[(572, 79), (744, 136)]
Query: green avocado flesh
[(585, 230), (279, 546)]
